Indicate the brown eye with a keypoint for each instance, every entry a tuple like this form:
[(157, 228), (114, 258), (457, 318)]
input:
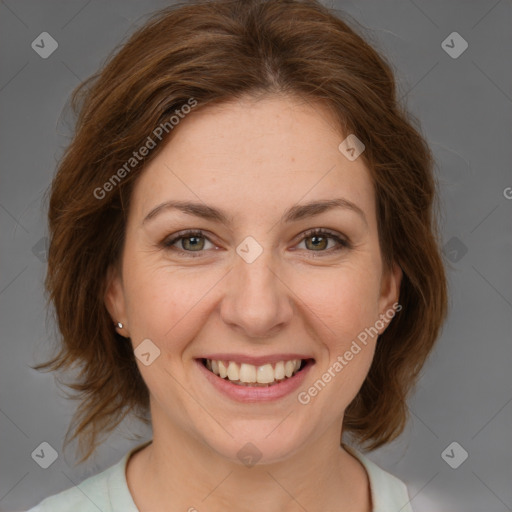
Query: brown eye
[(189, 242), (317, 240), (192, 243)]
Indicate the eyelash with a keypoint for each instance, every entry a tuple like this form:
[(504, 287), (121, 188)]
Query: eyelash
[(343, 243)]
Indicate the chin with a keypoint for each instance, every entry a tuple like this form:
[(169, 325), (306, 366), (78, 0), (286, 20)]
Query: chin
[(256, 442)]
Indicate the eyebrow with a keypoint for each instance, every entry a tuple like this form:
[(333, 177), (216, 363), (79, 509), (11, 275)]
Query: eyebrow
[(293, 214)]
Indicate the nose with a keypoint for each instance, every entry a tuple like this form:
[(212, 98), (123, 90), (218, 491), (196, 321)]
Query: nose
[(257, 302)]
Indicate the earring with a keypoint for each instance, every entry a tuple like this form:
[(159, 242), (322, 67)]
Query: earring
[(120, 325)]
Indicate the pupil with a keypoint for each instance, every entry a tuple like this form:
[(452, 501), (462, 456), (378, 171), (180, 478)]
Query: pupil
[(316, 240), (193, 244)]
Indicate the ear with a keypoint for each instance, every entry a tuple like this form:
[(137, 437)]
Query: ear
[(114, 300), (390, 291)]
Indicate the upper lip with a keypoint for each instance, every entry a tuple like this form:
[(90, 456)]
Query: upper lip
[(255, 361)]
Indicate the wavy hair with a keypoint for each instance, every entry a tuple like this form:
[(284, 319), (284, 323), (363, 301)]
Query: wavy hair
[(216, 51)]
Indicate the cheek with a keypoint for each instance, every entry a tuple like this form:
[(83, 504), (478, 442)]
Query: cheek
[(345, 306), (169, 305), (164, 305), (343, 321), (345, 300)]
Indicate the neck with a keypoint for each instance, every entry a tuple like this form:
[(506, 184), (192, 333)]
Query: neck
[(177, 470)]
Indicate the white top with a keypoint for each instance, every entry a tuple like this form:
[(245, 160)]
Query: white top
[(108, 491)]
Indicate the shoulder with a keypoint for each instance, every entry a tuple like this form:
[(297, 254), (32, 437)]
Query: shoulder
[(388, 492), (93, 494)]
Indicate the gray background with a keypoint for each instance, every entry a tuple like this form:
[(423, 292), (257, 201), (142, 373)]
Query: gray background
[(465, 108)]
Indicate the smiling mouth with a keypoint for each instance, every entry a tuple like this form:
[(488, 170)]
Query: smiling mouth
[(265, 375)]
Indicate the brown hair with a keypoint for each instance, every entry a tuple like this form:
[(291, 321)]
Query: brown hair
[(216, 51)]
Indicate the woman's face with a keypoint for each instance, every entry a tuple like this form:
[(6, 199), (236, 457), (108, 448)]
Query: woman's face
[(253, 287)]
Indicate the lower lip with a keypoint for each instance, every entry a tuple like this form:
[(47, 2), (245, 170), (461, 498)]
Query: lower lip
[(255, 393)]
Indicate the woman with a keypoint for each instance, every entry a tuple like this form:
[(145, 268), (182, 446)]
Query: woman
[(244, 252)]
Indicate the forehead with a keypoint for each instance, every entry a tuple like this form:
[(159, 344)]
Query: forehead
[(254, 156)]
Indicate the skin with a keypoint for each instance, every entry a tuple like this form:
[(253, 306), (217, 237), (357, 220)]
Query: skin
[(252, 159)]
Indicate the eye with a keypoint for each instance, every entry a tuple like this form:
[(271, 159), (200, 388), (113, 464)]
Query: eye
[(320, 241), (191, 241)]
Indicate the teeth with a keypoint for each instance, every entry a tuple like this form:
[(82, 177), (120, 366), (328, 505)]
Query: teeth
[(223, 371), (289, 366), (248, 373), (265, 374), (279, 370), (233, 371)]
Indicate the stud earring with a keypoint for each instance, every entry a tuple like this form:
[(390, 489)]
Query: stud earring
[(120, 325)]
